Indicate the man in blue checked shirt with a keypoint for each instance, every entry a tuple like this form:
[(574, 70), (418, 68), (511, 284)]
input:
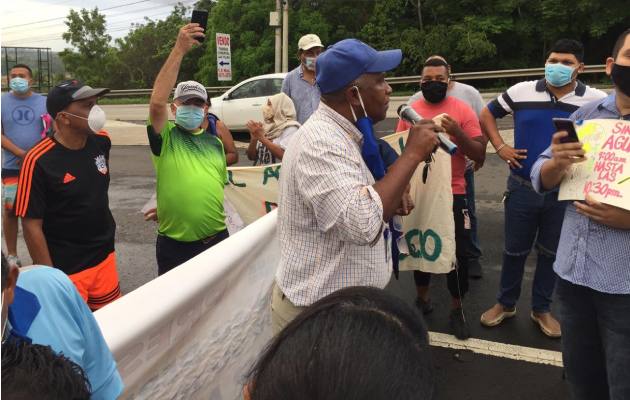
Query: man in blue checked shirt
[(592, 261)]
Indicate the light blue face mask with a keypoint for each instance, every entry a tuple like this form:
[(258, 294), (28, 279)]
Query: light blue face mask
[(19, 85), (309, 63), (558, 75), (189, 117)]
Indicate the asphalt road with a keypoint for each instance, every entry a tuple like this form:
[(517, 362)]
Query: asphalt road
[(459, 374)]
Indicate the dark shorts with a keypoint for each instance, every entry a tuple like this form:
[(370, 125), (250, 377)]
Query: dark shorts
[(170, 252)]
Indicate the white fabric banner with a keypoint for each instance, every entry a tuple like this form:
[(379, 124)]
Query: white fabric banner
[(429, 230), (194, 332)]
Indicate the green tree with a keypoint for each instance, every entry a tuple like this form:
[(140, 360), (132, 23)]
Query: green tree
[(87, 34), (252, 40), (145, 48)]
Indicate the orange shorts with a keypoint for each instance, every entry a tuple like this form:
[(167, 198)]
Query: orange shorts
[(9, 190), (98, 285)]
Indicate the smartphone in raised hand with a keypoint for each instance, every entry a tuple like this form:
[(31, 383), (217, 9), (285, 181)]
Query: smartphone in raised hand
[(200, 17), (565, 124)]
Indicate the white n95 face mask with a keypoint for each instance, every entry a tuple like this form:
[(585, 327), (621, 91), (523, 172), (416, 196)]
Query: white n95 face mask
[(96, 119)]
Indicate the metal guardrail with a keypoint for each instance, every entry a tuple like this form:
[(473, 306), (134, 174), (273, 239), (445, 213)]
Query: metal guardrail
[(147, 92), (462, 76), (508, 73)]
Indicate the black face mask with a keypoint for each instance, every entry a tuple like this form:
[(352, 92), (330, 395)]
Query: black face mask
[(434, 91), (621, 78)]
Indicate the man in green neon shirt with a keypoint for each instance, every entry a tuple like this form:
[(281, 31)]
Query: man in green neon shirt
[(189, 163)]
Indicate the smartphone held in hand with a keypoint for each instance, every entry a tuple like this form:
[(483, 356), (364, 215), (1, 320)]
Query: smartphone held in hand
[(200, 17), (565, 124)]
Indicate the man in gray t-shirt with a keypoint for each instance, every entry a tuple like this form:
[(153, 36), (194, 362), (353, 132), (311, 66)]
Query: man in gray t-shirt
[(472, 97), (24, 121)]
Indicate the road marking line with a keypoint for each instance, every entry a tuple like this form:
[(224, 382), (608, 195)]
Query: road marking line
[(496, 349)]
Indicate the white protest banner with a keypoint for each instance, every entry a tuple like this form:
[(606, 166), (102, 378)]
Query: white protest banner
[(429, 230), (194, 332), (605, 174), (224, 57)]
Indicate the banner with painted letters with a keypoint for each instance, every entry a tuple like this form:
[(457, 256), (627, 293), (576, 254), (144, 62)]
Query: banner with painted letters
[(429, 230), (605, 173)]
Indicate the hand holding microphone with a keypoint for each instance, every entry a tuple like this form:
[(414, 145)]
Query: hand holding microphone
[(410, 115)]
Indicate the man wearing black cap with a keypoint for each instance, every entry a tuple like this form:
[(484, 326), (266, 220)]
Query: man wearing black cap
[(62, 195), (334, 194)]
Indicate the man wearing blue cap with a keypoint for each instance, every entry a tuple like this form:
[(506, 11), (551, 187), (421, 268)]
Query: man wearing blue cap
[(335, 197)]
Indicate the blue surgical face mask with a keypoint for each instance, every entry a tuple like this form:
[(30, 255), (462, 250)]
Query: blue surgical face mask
[(19, 85), (369, 150), (189, 117), (558, 75)]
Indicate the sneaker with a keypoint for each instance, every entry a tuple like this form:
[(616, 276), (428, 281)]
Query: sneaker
[(425, 306), (474, 269), (14, 261), (459, 326), (547, 324), (495, 315)]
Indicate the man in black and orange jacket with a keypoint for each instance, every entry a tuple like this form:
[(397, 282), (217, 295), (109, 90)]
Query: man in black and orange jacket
[(62, 195)]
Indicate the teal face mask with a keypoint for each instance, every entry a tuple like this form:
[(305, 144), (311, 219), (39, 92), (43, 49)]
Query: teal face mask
[(189, 117), (558, 75), (19, 85)]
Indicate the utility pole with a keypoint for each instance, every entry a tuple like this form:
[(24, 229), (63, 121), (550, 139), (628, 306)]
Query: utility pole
[(274, 21), (285, 36)]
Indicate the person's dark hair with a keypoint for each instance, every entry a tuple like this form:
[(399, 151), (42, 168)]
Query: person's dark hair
[(32, 371), (357, 343), (5, 271), (568, 46), (30, 71), (619, 43), (436, 62)]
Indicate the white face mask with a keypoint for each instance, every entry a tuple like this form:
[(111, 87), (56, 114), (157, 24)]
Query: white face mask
[(96, 118)]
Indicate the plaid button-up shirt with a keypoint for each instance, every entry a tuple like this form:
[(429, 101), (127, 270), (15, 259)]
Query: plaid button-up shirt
[(330, 218)]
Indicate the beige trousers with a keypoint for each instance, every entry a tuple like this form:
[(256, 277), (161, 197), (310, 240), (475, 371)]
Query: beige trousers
[(282, 310)]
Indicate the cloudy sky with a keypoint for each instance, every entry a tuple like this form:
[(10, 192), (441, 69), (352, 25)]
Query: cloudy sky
[(40, 23)]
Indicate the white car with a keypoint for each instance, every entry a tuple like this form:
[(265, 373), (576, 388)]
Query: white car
[(243, 102)]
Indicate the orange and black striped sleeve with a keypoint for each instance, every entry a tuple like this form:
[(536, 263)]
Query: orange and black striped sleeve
[(30, 201)]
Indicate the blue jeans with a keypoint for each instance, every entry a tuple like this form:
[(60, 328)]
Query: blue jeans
[(595, 342), (530, 218), (475, 249)]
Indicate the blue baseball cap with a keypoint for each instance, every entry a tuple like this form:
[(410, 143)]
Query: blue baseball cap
[(345, 61)]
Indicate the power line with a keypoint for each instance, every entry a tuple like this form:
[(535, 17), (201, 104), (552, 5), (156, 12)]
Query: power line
[(113, 24), (58, 35), (55, 19), (49, 39), (125, 14)]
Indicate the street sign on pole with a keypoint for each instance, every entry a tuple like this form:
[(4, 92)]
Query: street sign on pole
[(224, 57)]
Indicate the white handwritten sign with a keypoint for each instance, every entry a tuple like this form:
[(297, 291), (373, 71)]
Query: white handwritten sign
[(605, 174)]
